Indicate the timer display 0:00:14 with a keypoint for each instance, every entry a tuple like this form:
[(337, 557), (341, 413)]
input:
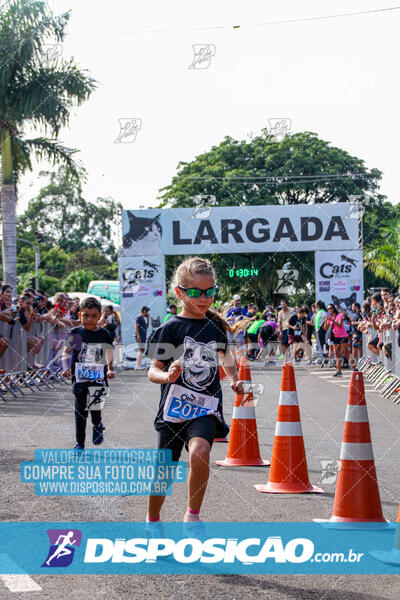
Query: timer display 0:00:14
[(243, 272)]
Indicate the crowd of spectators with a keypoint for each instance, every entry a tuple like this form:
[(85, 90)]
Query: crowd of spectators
[(33, 307), (325, 335), (281, 331)]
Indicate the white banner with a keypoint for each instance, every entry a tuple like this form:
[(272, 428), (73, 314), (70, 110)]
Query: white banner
[(339, 277), (142, 283), (232, 229)]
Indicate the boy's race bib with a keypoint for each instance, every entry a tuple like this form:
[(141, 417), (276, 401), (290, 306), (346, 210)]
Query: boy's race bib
[(88, 372), (183, 404)]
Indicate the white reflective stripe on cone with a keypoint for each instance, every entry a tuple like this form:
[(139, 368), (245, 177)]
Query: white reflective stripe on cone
[(356, 413), (288, 428), (243, 412), (288, 399), (351, 451)]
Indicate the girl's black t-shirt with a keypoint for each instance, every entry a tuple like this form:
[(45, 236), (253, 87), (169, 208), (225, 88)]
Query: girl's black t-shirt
[(195, 342), (88, 348)]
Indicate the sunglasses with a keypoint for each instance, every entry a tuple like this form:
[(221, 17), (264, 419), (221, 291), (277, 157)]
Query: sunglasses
[(196, 293)]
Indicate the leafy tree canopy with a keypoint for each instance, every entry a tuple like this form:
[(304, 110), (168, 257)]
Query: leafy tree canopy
[(301, 168), (78, 281), (64, 218)]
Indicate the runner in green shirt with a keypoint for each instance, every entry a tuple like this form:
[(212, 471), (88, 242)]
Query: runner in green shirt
[(171, 312), (252, 335)]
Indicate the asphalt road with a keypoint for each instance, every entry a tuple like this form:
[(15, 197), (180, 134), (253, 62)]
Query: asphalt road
[(45, 420)]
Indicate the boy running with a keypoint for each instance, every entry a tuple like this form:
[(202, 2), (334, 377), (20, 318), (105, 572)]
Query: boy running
[(86, 353)]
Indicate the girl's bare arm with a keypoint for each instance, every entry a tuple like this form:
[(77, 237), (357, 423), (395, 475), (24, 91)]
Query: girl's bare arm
[(158, 375)]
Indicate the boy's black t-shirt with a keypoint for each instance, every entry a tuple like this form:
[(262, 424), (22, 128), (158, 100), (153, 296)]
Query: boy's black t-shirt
[(88, 348), (195, 342)]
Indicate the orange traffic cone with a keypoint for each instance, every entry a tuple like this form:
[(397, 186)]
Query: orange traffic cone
[(243, 448), (357, 504), (288, 473), (238, 357), (392, 557)]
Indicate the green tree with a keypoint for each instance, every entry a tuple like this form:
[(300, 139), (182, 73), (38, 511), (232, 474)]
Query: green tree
[(32, 94), (92, 259), (64, 218), (53, 261), (266, 171), (301, 168), (51, 285), (78, 281), (383, 258)]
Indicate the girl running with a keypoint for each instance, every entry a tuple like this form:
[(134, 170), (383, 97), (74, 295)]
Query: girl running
[(185, 353)]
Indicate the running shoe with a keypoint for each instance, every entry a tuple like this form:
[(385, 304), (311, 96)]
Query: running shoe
[(98, 437), (154, 529), (79, 447), (337, 374), (195, 529)]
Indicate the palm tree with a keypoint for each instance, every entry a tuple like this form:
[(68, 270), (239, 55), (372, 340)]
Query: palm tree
[(33, 93), (383, 258)]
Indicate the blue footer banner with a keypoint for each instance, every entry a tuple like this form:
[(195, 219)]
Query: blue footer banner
[(195, 548)]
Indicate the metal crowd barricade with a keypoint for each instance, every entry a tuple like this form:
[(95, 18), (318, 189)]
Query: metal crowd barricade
[(383, 371), (21, 370)]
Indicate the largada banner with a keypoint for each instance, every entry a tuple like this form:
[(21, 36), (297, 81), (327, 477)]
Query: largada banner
[(142, 283), (231, 229), (339, 277)]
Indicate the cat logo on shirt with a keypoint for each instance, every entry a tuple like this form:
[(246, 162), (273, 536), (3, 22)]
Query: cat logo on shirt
[(199, 362)]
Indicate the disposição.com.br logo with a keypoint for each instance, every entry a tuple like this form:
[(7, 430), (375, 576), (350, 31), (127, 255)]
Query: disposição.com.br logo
[(63, 543)]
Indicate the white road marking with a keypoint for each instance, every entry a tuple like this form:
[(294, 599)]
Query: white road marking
[(20, 583)]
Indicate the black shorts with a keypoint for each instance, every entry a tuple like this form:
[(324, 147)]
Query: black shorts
[(342, 340), (374, 341), (176, 435), (253, 338)]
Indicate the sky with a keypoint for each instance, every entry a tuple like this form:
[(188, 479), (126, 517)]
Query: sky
[(337, 77)]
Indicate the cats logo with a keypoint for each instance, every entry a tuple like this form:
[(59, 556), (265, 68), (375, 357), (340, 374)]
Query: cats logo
[(344, 269)]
